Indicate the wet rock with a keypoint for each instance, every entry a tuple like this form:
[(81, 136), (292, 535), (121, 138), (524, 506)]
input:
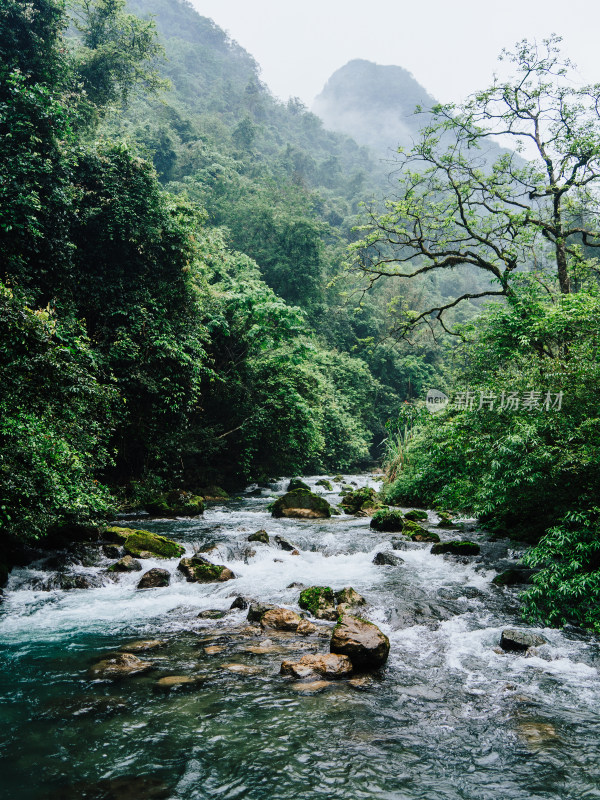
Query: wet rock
[(281, 619), (241, 669), (239, 603), (328, 665), (212, 493), (387, 521), (126, 564), (320, 601), (305, 628), (518, 640), (423, 536), (213, 649), (350, 597), (66, 582), (445, 520), (363, 642), (405, 544), (295, 585), (112, 550), (338, 479), (119, 665), (359, 500), (295, 553), (301, 504), (325, 484), (142, 645), (178, 503), (259, 536), (514, 576), (456, 547), (154, 579), (198, 570), (387, 559), (128, 787), (311, 687), (143, 544), (256, 611), (212, 613), (283, 544), (178, 683), (297, 483), (537, 734), (416, 515)]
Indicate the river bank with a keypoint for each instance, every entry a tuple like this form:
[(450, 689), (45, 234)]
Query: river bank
[(449, 716)]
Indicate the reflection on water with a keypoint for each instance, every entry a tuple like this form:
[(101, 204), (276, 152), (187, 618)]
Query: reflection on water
[(449, 717)]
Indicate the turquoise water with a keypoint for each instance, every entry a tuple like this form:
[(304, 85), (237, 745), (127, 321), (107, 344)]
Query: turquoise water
[(448, 717)]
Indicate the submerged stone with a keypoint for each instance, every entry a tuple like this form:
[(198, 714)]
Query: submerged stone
[(387, 559), (178, 683), (119, 665), (259, 536)]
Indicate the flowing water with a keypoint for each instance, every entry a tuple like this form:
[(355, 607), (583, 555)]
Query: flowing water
[(449, 717)]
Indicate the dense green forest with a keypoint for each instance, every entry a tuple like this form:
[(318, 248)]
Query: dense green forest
[(202, 285)]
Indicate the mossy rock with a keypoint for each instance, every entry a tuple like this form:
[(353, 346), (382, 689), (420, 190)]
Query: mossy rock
[(335, 512), (297, 483), (416, 515), (126, 564), (116, 534), (410, 527), (259, 536), (325, 484), (143, 544), (198, 570), (349, 597), (301, 504), (456, 547), (354, 500), (212, 493), (320, 601), (338, 479), (514, 576), (388, 521), (423, 536), (176, 504)]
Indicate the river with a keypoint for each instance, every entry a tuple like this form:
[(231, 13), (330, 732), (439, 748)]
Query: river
[(448, 718)]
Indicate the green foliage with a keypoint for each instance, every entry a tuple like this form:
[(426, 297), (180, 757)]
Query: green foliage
[(56, 417), (567, 587)]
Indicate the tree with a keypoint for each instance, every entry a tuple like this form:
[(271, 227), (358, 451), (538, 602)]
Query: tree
[(463, 202)]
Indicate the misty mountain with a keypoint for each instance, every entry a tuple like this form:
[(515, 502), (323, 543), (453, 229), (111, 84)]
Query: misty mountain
[(375, 104)]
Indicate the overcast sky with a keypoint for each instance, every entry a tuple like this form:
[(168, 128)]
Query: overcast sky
[(451, 47)]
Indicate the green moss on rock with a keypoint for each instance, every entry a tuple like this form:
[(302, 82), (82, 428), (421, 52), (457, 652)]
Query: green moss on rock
[(301, 504), (325, 484), (354, 500), (320, 601), (297, 483), (388, 521), (144, 544), (456, 547), (416, 515)]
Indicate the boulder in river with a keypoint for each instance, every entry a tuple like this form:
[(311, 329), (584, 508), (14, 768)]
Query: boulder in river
[(126, 564), (456, 547), (283, 544), (281, 619), (325, 484), (514, 576), (359, 499), (320, 601), (260, 536), (388, 521), (445, 520), (178, 503), (143, 544), (256, 611), (297, 483), (212, 613), (327, 665), (198, 570), (518, 640), (387, 559), (213, 493), (154, 579), (239, 603), (365, 645), (301, 504), (349, 597), (119, 665), (416, 515)]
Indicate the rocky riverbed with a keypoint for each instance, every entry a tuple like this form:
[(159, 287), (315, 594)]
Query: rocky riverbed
[(110, 689)]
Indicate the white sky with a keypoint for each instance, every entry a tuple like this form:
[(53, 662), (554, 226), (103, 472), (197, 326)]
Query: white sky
[(450, 46)]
